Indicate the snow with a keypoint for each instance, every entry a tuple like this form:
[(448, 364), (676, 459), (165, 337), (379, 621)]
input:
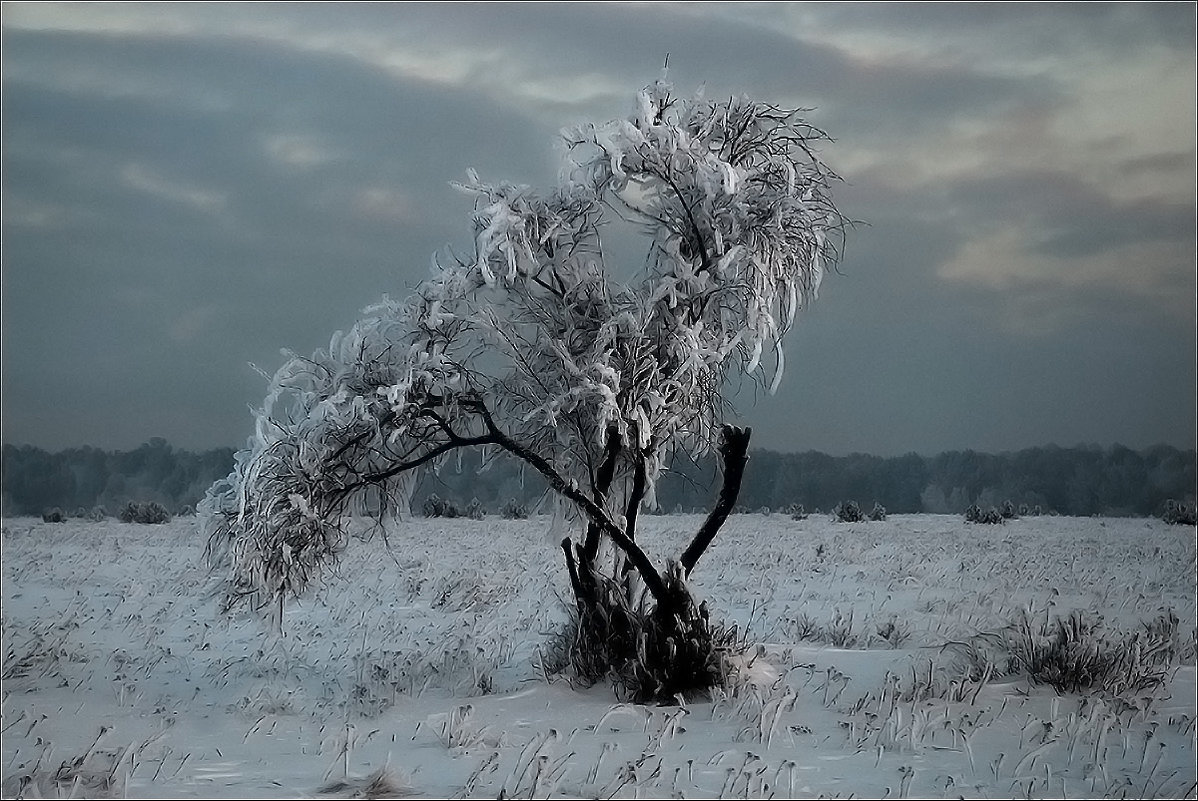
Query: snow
[(417, 667)]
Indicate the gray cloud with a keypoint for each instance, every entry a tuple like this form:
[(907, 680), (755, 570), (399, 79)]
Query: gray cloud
[(188, 188)]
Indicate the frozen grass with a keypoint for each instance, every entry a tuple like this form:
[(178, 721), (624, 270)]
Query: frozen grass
[(888, 659)]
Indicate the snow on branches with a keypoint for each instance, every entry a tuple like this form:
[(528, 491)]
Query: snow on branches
[(737, 204), (531, 347)]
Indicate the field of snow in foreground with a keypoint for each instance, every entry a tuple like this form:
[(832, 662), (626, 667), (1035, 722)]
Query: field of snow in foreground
[(415, 671)]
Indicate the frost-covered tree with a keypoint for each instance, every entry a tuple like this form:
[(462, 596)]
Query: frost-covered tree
[(591, 374)]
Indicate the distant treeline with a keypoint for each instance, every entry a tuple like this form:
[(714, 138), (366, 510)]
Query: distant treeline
[(35, 481), (1085, 480), (1081, 481)]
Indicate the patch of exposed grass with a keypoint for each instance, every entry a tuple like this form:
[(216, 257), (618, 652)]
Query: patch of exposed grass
[(1074, 654)]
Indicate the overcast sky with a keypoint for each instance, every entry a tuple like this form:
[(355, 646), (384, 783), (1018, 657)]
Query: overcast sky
[(189, 188)]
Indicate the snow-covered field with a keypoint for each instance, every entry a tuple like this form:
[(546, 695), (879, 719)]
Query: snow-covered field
[(416, 670)]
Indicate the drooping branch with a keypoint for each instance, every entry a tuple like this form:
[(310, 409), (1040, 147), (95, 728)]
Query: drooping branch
[(734, 448), (452, 443), (359, 439)]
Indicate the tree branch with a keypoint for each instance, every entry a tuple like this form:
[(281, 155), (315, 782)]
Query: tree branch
[(569, 490), (705, 260), (734, 452), (454, 441), (575, 578)]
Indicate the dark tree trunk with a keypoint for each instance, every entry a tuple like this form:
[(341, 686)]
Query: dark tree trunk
[(635, 496), (653, 650), (603, 479), (734, 451)]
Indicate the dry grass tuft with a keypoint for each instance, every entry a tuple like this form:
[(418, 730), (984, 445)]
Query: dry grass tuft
[(96, 773), (1072, 654), (381, 784)]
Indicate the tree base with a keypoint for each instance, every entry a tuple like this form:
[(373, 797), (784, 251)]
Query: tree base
[(651, 652)]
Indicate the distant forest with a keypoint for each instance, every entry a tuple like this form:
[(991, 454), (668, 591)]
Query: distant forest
[(1082, 481)]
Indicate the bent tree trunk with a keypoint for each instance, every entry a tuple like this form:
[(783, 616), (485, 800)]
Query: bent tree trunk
[(655, 644)]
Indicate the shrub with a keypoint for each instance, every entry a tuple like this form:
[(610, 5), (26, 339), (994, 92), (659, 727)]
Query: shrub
[(848, 512), (649, 656), (796, 511), (514, 510), (838, 632), (54, 515), (1071, 655), (380, 784), (1176, 513), (803, 627), (1008, 511), (893, 632), (991, 516), (878, 512), (150, 512), (434, 506), (97, 514), (474, 509)]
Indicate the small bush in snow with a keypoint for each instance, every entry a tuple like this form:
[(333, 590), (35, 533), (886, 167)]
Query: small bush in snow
[(514, 510), (474, 509), (991, 516), (848, 512), (1008, 511), (149, 512), (97, 514), (54, 515), (804, 627), (838, 632), (435, 506), (380, 784), (1182, 514), (796, 511), (893, 633), (649, 657), (1071, 655), (878, 512)]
